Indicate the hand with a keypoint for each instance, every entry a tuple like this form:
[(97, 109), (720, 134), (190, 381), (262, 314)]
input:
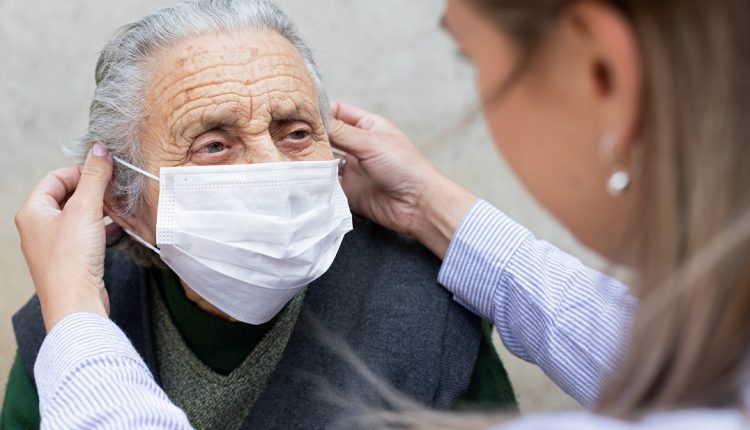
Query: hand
[(61, 226), (388, 180)]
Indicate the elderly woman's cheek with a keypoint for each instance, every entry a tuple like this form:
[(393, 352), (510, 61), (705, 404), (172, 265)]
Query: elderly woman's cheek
[(325, 151), (148, 211), (323, 147), (315, 151)]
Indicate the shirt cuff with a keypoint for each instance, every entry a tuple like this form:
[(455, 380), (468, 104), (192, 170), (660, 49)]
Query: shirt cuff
[(482, 246), (79, 338)]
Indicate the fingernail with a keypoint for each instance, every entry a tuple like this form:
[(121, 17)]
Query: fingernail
[(100, 150)]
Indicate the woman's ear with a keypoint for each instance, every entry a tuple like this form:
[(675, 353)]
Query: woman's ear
[(131, 223), (615, 72)]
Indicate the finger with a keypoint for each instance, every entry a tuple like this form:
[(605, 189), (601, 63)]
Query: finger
[(354, 115), (55, 188), (96, 174), (342, 164), (352, 173), (354, 183), (350, 139), (351, 167)]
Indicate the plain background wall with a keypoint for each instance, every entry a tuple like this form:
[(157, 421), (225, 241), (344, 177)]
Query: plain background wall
[(389, 56)]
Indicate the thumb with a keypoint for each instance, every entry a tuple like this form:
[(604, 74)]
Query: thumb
[(96, 174), (355, 141)]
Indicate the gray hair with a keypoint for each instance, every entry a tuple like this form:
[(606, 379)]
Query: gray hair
[(117, 108)]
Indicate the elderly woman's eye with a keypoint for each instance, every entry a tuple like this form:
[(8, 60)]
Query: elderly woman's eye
[(299, 135), (215, 147)]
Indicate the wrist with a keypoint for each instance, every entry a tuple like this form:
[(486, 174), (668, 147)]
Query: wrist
[(443, 207), (55, 309)]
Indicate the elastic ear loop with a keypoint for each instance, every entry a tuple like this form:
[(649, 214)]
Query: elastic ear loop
[(142, 242), (130, 232), (137, 169)]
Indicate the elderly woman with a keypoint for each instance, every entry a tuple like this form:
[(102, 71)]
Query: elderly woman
[(227, 188)]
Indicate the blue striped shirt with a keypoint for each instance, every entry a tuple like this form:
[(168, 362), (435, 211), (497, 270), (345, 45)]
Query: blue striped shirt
[(548, 307)]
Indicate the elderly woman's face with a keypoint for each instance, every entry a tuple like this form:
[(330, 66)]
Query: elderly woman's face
[(230, 99), (227, 99)]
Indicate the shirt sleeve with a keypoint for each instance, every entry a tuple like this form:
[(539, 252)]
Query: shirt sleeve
[(89, 376), (548, 307), (686, 419)]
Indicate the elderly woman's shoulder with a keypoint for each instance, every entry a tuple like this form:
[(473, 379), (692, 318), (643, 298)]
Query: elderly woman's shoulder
[(376, 261), (371, 241)]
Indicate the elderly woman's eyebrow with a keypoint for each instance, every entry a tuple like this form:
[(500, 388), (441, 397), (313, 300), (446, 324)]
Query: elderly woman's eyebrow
[(290, 113), (207, 121), (205, 124), (192, 125)]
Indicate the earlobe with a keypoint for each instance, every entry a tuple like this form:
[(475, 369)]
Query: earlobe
[(123, 222), (130, 223)]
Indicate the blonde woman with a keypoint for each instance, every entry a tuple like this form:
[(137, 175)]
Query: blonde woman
[(625, 119)]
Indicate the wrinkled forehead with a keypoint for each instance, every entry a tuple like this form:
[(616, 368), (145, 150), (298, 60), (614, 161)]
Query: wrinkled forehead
[(255, 76)]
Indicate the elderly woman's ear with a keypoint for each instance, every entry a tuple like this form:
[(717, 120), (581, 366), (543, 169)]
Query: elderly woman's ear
[(114, 230), (120, 223)]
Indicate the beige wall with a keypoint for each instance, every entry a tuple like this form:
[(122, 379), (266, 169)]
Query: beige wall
[(386, 55)]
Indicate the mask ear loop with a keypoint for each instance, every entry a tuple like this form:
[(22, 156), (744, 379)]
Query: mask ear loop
[(130, 232), (142, 242), (137, 169)]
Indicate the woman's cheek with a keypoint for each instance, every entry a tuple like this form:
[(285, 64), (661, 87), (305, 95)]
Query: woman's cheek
[(152, 204), (324, 151)]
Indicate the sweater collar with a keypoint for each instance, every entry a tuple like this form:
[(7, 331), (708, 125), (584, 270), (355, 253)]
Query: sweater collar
[(220, 344)]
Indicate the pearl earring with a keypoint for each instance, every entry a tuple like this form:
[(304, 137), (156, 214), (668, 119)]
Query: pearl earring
[(620, 179), (618, 182)]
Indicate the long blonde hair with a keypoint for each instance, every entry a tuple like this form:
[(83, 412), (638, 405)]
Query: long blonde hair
[(689, 343), (691, 334)]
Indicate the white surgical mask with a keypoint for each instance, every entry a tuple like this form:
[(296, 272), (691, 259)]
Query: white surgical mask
[(248, 237)]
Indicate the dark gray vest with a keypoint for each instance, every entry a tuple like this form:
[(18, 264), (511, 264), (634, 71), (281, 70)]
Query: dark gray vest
[(380, 298)]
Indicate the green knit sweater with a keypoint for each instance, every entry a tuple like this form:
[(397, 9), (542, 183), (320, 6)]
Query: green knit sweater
[(223, 345)]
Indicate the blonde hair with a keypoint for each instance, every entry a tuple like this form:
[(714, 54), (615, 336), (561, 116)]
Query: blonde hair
[(689, 343), (690, 337)]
